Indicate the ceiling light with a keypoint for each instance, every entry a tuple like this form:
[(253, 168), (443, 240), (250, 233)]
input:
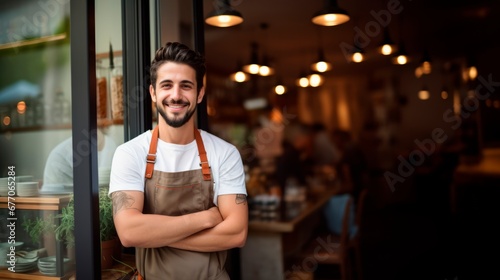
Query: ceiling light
[(424, 93), (321, 65), (253, 65), (240, 77), (470, 71), (280, 89), (387, 47), (330, 15), (357, 55), (444, 93), (302, 81), (401, 57), (223, 15), (426, 65), (265, 69), (315, 80)]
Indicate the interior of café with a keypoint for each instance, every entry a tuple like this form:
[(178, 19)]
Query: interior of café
[(368, 131), (421, 154)]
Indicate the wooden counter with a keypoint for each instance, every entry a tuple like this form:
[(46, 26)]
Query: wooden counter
[(289, 224), (270, 243), (52, 202), (482, 176), (488, 166), (48, 203)]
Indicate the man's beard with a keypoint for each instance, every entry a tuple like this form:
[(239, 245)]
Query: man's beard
[(177, 120)]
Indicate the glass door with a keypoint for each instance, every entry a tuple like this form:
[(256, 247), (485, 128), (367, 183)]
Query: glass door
[(36, 162)]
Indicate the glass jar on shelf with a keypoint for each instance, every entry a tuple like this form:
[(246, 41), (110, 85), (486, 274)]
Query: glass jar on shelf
[(39, 109), (61, 109), (116, 78), (102, 90)]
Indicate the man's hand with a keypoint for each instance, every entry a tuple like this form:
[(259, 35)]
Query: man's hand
[(230, 232), (214, 216)]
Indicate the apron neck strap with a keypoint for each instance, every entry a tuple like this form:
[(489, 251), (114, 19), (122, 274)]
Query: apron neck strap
[(205, 168), (151, 157)]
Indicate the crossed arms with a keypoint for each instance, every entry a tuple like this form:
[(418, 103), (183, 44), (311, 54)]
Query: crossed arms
[(218, 228)]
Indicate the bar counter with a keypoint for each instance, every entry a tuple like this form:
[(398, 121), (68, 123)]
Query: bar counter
[(270, 243)]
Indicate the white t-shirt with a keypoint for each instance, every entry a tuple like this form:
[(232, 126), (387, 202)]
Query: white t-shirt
[(129, 163), (59, 165)]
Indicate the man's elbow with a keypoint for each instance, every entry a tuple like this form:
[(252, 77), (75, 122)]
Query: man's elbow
[(241, 239), (127, 240)]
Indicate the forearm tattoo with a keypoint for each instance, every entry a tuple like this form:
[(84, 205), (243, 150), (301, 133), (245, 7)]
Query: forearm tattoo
[(121, 201), (241, 199)]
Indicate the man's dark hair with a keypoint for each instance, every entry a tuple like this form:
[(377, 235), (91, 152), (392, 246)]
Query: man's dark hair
[(179, 53)]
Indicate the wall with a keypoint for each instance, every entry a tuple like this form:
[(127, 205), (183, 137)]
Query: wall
[(389, 96)]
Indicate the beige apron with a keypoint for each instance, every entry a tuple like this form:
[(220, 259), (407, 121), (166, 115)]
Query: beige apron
[(175, 194)]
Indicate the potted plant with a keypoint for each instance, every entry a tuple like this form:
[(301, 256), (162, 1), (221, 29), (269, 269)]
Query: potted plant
[(110, 244), (37, 227), (64, 231)]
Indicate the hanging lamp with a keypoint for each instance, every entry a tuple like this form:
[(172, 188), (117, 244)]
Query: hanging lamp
[(330, 15), (321, 65), (426, 64), (253, 66), (223, 15), (315, 79), (357, 54), (424, 93), (280, 87), (265, 68), (302, 80), (387, 47), (239, 75), (401, 57)]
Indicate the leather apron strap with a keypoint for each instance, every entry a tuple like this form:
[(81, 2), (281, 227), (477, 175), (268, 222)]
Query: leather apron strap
[(151, 157), (205, 168)]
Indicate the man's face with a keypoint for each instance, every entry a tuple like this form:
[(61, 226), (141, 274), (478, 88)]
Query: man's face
[(175, 94)]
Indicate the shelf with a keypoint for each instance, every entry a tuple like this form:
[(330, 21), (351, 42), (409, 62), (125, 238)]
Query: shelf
[(35, 275), (35, 128), (108, 122), (100, 123), (106, 55), (53, 202), (36, 41)]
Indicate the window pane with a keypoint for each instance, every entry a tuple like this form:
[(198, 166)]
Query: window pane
[(35, 138)]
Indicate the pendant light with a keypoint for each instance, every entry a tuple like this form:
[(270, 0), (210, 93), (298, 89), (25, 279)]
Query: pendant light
[(265, 68), (280, 88), (253, 66), (357, 54), (401, 57), (315, 79), (424, 93), (223, 15), (330, 15), (321, 65), (239, 76), (426, 63), (302, 80), (387, 47), (469, 72), (425, 66)]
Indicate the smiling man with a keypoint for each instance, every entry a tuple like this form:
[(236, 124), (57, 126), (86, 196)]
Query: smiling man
[(179, 193)]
